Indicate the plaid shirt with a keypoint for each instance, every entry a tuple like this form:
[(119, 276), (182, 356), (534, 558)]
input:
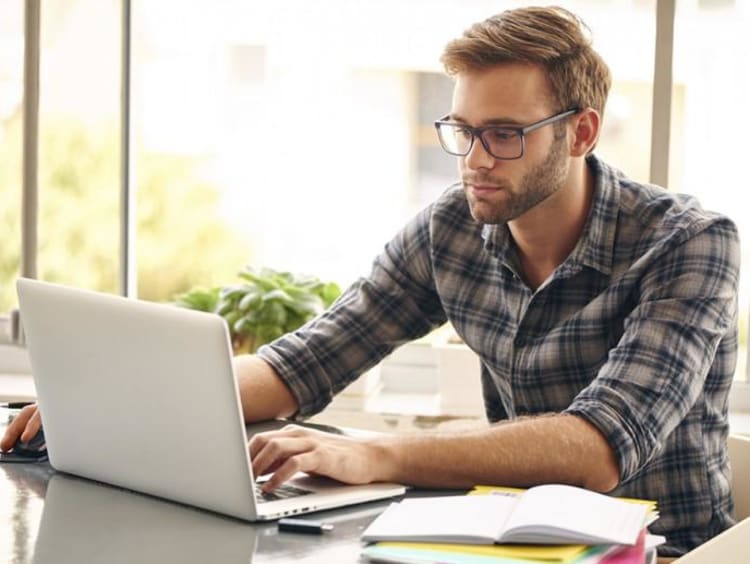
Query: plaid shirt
[(636, 332)]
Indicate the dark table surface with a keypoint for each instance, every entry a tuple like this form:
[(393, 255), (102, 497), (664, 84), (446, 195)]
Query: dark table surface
[(47, 516)]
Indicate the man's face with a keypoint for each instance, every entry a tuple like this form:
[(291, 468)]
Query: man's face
[(513, 95)]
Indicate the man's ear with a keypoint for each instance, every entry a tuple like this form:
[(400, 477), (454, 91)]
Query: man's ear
[(587, 123)]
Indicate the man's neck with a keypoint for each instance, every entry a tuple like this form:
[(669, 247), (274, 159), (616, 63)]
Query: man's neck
[(548, 233)]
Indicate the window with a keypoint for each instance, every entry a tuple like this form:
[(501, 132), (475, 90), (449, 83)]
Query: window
[(11, 93), (709, 146), (297, 135), (79, 156), (311, 133)]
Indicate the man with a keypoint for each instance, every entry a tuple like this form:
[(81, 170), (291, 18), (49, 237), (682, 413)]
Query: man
[(603, 310)]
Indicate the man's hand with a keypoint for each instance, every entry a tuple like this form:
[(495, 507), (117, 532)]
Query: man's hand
[(296, 449), (24, 426)]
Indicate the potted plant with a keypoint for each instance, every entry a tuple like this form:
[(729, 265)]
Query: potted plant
[(264, 305)]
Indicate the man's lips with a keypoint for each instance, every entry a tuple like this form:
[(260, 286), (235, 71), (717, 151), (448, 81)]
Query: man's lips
[(484, 188)]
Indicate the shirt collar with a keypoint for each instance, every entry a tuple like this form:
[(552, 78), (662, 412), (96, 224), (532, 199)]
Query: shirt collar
[(595, 248)]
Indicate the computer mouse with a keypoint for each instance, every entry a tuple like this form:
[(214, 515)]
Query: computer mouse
[(35, 445), (32, 450)]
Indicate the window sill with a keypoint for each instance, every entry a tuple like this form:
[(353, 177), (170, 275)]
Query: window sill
[(739, 422), (739, 397), (17, 387), (14, 359), (16, 383)]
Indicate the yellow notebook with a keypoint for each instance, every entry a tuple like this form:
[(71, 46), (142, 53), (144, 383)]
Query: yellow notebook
[(554, 554)]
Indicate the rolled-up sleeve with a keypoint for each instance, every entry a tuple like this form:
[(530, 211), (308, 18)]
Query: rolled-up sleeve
[(686, 304)]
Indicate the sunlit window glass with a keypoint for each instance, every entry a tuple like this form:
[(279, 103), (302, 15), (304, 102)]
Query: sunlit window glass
[(710, 119), (292, 135), (11, 124), (79, 143)]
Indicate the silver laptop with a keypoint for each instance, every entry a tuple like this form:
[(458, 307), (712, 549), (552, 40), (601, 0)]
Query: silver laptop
[(143, 396)]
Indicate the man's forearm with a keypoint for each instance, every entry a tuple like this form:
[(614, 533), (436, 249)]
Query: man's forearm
[(263, 393), (555, 448)]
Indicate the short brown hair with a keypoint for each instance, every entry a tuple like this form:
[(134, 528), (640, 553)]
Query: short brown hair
[(551, 37)]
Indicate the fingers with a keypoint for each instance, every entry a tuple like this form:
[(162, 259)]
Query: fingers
[(24, 426), (32, 426), (261, 440), (268, 453), (6, 443), (284, 453), (304, 462)]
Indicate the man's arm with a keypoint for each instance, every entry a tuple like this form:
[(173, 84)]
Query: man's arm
[(262, 393), (553, 448)]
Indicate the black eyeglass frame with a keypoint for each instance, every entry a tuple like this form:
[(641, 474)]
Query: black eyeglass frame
[(477, 132)]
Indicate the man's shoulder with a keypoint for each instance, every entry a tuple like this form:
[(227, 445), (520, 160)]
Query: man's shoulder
[(656, 208), (653, 210)]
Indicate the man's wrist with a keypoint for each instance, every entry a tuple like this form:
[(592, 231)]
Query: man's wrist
[(383, 454)]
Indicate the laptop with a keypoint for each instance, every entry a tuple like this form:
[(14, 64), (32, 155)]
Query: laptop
[(143, 396)]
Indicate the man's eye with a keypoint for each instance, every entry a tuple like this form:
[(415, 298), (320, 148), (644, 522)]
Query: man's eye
[(463, 133), (501, 135)]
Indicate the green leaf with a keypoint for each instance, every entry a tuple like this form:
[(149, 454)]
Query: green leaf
[(235, 292), (308, 305), (242, 326), (278, 315), (278, 295), (201, 299), (329, 293), (263, 280), (249, 300), (232, 317)]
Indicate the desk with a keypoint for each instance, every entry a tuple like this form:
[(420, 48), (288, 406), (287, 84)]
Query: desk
[(53, 517), (49, 517)]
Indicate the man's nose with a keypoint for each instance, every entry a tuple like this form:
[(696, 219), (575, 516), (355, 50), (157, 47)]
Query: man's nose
[(478, 157)]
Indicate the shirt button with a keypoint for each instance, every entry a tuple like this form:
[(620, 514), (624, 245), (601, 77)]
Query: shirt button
[(520, 341)]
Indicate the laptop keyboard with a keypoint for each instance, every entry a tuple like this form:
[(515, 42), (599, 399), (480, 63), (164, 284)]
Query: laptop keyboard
[(284, 491)]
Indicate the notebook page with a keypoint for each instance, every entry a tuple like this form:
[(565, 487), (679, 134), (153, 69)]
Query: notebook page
[(469, 519), (592, 518)]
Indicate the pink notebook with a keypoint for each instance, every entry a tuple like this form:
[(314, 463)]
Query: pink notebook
[(635, 554)]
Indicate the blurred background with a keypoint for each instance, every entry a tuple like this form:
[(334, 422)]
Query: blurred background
[(297, 134)]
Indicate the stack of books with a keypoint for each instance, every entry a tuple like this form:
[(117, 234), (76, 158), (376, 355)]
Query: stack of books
[(551, 524)]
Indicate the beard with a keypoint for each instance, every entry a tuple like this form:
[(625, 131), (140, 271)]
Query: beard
[(536, 185)]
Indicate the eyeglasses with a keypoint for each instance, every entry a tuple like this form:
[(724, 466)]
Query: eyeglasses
[(502, 142)]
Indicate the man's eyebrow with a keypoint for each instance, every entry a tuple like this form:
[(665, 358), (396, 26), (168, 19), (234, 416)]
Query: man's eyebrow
[(492, 121)]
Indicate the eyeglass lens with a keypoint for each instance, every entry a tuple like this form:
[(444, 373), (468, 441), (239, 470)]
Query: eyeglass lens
[(500, 142)]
